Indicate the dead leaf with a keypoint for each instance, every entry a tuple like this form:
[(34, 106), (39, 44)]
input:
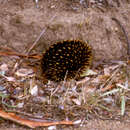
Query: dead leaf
[(4, 67), (106, 71), (76, 101), (34, 90), (88, 72), (23, 72)]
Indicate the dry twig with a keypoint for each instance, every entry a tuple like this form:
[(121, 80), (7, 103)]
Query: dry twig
[(125, 34), (38, 38)]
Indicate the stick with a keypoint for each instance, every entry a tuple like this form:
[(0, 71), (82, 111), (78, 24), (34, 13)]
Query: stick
[(43, 31), (125, 34)]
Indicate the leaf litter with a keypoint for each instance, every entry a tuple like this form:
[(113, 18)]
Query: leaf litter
[(104, 93)]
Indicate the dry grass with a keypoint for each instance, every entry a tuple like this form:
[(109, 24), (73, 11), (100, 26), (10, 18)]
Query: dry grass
[(103, 94)]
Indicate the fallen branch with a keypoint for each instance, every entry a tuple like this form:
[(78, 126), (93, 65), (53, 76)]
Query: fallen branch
[(30, 123), (20, 55)]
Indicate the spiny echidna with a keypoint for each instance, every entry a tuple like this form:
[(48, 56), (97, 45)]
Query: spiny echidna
[(66, 60)]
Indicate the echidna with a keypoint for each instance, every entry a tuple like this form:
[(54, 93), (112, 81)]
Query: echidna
[(66, 60)]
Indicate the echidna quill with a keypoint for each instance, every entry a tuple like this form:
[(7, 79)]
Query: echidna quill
[(66, 60)]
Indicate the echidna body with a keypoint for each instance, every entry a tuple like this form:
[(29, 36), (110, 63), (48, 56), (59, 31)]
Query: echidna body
[(66, 60)]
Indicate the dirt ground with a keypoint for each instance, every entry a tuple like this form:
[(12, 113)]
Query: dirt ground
[(21, 22), (91, 125)]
